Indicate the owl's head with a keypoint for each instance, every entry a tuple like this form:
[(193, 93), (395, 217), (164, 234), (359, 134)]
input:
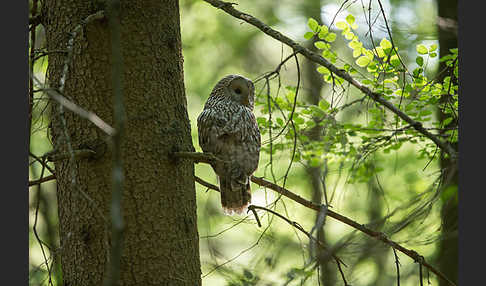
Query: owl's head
[(239, 89)]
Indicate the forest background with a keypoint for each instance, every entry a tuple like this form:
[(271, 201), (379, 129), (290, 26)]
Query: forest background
[(364, 163)]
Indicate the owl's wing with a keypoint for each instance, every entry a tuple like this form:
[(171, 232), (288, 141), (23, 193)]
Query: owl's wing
[(211, 125), (217, 127)]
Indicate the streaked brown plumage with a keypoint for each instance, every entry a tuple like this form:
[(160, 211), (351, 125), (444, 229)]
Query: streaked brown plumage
[(227, 128)]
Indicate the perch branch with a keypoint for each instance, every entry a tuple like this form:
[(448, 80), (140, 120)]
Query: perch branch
[(201, 157), (314, 57)]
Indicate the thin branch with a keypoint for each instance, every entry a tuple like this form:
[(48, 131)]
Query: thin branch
[(206, 184), (90, 116), (252, 209), (301, 229), (70, 45), (77, 154), (294, 147), (298, 199), (397, 263), (207, 158), (42, 180), (41, 243), (42, 162), (314, 57)]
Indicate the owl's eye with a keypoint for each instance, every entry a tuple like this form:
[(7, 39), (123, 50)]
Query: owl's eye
[(238, 91)]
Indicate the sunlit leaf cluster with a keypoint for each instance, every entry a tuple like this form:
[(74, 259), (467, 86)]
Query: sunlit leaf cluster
[(381, 68)]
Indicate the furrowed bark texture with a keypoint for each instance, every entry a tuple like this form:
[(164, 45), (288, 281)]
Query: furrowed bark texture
[(160, 244), (448, 250)]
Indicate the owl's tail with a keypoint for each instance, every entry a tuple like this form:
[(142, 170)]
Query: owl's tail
[(235, 196)]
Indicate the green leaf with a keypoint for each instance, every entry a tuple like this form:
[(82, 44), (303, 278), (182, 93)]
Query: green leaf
[(341, 25), (313, 25), (395, 61), (355, 45), (380, 52), (447, 121), (322, 34), (357, 53), (350, 19), (308, 35), (349, 35), (372, 67), (385, 44), (331, 37), (369, 54), (433, 47), (323, 70), (363, 61), (419, 60), (310, 123), (298, 120), (433, 55), (323, 104), (261, 120), (316, 110), (422, 49), (324, 29), (320, 45)]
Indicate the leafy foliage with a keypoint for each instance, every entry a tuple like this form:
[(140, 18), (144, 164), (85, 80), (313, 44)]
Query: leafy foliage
[(379, 67)]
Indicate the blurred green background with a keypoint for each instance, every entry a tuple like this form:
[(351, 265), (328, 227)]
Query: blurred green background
[(396, 192)]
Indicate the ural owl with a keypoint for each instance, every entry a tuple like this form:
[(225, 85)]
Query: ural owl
[(227, 128)]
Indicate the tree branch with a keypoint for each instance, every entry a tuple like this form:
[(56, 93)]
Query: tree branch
[(90, 116), (202, 157), (42, 180), (314, 57)]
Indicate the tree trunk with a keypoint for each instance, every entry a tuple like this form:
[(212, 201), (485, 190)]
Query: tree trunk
[(161, 245), (448, 249)]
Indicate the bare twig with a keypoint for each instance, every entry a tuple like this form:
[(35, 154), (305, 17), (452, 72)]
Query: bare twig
[(197, 157), (397, 263), (314, 57), (90, 116), (41, 243), (42, 162), (206, 184), (294, 147), (42, 180), (70, 46), (301, 229), (298, 199), (252, 209), (77, 154)]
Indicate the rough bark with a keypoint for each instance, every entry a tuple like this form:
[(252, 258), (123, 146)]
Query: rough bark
[(448, 249), (159, 204)]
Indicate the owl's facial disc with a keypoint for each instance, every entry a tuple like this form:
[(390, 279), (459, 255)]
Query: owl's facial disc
[(240, 91)]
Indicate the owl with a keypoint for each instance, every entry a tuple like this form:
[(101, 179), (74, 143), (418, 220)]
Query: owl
[(227, 128)]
